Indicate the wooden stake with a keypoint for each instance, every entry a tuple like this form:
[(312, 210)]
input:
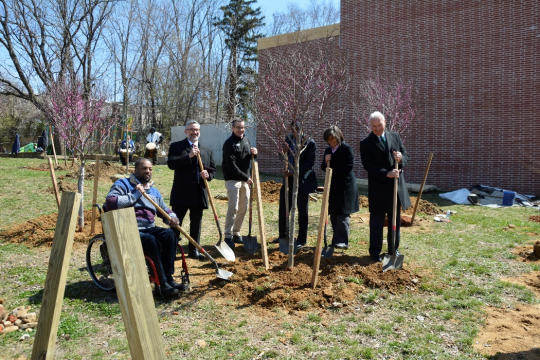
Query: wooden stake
[(260, 216), (421, 188), (132, 285), (322, 221), (55, 185), (55, 283), (52, 143), (94, 196)]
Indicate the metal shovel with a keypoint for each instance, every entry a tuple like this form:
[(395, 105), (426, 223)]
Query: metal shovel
[(220, 273), (391, 261), (327, 251), (250, 242), (221, 245)]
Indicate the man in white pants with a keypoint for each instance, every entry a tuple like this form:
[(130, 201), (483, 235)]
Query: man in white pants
[(236, 165)]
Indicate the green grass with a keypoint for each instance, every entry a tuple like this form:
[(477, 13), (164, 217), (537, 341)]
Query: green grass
[(460, 265)]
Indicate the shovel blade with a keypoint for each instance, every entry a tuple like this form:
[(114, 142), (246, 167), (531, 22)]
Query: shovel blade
[(225, 251), (327, 251), (392, 262), (250, 244), (284, 246), (223, 274)]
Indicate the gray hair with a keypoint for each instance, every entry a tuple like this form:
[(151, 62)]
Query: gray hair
[(189, 122), (377, 115)]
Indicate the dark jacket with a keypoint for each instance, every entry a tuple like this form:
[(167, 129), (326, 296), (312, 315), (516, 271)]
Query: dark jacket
[(343, 189), (307, 181), (188, 187), (378, 161), (236, 158)]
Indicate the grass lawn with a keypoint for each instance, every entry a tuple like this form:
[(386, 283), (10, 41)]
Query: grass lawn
[(460, 265)]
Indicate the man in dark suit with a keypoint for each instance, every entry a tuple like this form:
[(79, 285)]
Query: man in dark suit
[(379, 152), (307, 183), (188, 190)]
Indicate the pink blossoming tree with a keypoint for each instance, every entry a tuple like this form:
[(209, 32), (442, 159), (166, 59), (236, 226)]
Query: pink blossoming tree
[(394, 98), (298, 88), (80, 121)]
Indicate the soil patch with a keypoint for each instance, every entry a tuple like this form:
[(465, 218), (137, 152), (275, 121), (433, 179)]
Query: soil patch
[(424, 206), (341, 280), (511, 333), (270, 191), (526, 253), (40, 231), (107, 170), (535, 218), (530, 280)]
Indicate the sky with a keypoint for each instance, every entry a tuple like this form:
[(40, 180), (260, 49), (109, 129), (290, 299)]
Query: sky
[(268, 7)]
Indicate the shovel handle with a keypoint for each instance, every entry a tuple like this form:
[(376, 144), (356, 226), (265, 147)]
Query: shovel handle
[(179, 228), (394, 209)]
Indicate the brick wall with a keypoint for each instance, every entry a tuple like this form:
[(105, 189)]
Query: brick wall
[(474, 66)]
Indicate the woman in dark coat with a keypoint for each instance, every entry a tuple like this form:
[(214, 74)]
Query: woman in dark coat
[(343, 199)]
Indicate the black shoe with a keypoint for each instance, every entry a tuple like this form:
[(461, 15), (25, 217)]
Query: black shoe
[(276, 240), (237, 239), (167, 290), (342, 246), (174, 284), (299, 246), (196, 255), (230, 242), (376, 258)]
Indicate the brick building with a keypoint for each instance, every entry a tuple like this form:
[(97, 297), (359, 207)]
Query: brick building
[(474, 65)]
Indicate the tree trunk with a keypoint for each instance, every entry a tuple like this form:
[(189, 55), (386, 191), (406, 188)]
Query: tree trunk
[(290, 263), (80, 189)]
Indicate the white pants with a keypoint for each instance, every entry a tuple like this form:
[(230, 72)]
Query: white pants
[(238, 193)]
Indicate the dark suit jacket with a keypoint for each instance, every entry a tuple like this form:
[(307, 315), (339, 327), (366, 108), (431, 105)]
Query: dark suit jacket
[(378, 161), (343, 189), (307, 182), (188, 188)]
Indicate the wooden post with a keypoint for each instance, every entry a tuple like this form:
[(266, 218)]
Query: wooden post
[(322, 221), (55, 185), (421, 188), (94, 196), (52, 144), (260, 216), (55, 283), (132, 285)]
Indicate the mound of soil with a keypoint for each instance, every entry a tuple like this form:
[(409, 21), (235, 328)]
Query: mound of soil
[(106, 170), (40, 231), (341, 280), (424, 206), (530, 280), (535, 218), (526, 252), (510, 333), (270, 191)]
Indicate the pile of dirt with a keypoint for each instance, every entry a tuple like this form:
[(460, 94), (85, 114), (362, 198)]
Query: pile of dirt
[(535, 218), (341, 280), (526, 253), (40, 231), (424, 206), (106, 170), (270, 191), (510, 333)]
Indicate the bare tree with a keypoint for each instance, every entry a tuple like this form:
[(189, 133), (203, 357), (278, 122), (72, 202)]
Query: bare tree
[(317, 13)]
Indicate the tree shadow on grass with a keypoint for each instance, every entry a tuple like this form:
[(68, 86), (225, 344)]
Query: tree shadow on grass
[(83, 290)]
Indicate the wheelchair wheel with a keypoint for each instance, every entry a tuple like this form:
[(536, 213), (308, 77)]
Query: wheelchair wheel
[(98, 263)]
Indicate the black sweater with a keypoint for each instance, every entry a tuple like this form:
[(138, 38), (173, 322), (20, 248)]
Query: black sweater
[(236, 158)]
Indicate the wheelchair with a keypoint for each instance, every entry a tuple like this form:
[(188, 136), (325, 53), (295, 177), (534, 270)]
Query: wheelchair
[(99, 266)]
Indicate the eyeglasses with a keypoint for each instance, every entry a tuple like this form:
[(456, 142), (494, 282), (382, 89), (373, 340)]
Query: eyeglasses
[(193, 130)]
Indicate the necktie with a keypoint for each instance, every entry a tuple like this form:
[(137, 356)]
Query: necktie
[(383, 141)]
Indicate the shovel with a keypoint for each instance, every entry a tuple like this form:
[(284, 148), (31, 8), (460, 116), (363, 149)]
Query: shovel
[(220, 273), (250, 242), (327, 251), (391, 261), (221, 245)]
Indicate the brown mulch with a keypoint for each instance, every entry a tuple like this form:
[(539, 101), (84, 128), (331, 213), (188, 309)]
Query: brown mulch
[(270, 191), (40, 231), (106, 170), (341, 280), (535, 218)]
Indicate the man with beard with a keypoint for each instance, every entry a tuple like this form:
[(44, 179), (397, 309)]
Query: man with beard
[(157, 242), (188, 190)]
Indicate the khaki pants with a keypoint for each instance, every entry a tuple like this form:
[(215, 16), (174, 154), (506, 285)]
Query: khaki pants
[(238, 193)]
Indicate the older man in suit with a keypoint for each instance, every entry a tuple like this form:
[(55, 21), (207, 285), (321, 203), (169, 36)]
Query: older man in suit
[(379, 152), (188, 190)]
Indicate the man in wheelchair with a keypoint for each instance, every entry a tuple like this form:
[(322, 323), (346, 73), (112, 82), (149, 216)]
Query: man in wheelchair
[(157, 242)]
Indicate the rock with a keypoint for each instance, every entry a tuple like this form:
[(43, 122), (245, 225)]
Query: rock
[(1, 328), (328, 292), (20, 311), (200, 343), (420, 318), (30, 317), (7, 323), (9, 329), (511, 226), (24, 336), (11, 318), (415, 280), (18, 322), (30, 325), (537, 249), (337, 304)]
